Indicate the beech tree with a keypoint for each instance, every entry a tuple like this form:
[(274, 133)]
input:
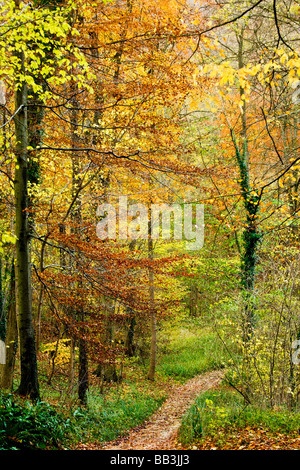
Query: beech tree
[(19, 68)]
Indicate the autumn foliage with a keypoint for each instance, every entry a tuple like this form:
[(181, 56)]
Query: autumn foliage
[(162, 102)]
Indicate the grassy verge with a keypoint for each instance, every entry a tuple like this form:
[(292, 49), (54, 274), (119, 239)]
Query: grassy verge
[(113, 414), (219, 419)]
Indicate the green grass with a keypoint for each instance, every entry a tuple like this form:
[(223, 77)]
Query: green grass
[(190, 351), (108, 417), (219, 412)]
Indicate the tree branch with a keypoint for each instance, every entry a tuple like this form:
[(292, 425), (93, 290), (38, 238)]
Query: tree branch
[(269, 133), (280, 38)]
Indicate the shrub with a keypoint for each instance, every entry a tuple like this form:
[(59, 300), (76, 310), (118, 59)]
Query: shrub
[(24, 425)]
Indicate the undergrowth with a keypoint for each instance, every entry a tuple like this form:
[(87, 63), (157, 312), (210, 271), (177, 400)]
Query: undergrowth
[(219, 413), (24, 425), (107, 418), (183, 353)]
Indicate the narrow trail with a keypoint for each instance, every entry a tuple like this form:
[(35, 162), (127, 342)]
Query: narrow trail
[(160, 431)]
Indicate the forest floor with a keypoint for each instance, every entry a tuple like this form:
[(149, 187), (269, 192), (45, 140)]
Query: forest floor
[(160, 430)]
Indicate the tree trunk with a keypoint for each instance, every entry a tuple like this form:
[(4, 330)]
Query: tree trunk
[(83, 383), (71, 365), (28, 360), (251, 236), (129, 342), (11, 337), (2, 314), (83, 379), (153, 347), (251, 240)]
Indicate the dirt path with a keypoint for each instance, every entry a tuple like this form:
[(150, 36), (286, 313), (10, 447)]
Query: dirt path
[(160, 431)]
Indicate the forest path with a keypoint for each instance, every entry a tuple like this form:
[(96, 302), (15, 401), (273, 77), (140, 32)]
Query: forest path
[(159, 432)]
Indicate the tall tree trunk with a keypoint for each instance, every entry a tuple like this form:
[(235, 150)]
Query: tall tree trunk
[(11, 336), (251, 240), (129, 342), (2, 313), (71, 377), (83, 378), (153, 347), (251, 235), (83, 383), (28, 360)]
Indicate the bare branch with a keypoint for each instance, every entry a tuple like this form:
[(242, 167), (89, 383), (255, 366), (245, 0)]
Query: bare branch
[(270, 135)]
